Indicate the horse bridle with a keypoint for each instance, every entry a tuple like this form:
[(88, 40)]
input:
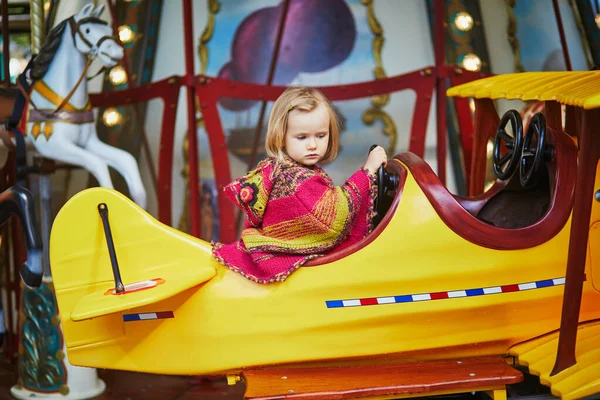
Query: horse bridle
[(76, 30), (24, 84), (91, 55)]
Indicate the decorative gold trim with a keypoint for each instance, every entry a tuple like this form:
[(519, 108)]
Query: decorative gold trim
[(389, 129), (511, 31), (213, 8), (54, 98), (376, 113), (582, 36), (64, 390), (36, 10), (184, 224)]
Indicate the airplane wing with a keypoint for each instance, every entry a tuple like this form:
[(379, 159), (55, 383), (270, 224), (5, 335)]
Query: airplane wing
[(155, 261)]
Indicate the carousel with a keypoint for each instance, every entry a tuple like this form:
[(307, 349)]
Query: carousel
[(475, 277)]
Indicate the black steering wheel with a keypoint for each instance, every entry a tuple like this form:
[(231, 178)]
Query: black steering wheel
[(533, 150), (385, 182), (512, 143)]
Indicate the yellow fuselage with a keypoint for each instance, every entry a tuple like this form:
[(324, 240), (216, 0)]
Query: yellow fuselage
[(229, 323)]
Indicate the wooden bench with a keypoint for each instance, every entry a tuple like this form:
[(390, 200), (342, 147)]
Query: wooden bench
[(381, 380)]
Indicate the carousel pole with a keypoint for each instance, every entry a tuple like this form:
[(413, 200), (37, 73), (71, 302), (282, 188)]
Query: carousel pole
[(188, 39), (440, 85), (36, 24), (5, 44), (561, 32), (44, 370)]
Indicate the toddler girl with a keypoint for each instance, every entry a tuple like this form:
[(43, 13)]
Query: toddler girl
[(294, 212)]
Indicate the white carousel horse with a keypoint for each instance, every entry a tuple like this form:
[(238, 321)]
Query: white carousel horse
[(60, 121)]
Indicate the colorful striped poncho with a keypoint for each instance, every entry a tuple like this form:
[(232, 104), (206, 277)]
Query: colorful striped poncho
[(294, 213)]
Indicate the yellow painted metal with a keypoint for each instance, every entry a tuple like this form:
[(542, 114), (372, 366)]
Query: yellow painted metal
[(581, 89), (177, 278), (578, 381), (229, 323), (498, 394), (595, 214), (232, 380), (593, 255)]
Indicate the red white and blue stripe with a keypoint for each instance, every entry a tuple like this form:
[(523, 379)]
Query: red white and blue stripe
[(148, 316), (412, 298)]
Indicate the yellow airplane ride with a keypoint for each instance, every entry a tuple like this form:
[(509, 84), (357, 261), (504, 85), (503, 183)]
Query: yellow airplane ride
[(453, 285)]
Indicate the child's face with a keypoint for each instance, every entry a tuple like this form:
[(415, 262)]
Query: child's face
[(307, 135)]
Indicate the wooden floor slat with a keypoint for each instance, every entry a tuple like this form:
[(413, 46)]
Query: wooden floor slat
[(385, 379)]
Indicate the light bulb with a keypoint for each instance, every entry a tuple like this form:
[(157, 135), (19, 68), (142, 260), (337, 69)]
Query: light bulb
[(126, 34), (463, 21), (112, 117), (471, 62), (489, 148), (117, 75)]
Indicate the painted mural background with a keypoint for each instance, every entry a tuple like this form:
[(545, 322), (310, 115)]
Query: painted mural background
[(537, 32), (323, 43)]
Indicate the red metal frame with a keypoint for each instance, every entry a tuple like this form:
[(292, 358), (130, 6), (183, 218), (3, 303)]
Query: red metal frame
[(486, 122), (458, 76), (440, 85), (168, 91), (589, 154), (209, 90)]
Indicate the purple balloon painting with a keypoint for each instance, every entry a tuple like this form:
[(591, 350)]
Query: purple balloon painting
[(318, 35)]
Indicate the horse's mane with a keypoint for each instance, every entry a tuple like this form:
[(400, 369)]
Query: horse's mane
[(42, 61)]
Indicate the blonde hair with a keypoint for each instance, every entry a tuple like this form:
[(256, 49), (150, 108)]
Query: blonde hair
[(304, 99)]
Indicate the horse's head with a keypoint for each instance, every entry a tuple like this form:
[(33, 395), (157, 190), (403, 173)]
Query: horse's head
[(94, 37)]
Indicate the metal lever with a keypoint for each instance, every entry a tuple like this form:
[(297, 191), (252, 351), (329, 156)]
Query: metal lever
[(103, 210)]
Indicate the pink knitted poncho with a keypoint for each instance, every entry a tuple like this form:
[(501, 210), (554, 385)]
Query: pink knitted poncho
[(294, 214)]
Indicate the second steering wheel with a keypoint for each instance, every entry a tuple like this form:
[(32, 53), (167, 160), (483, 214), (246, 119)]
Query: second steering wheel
[(512, 143)]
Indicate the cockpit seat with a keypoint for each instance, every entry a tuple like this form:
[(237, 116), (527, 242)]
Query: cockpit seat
[(497, 220)]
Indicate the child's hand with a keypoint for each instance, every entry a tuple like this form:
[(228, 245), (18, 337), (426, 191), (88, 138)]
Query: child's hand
[(376, 157)]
